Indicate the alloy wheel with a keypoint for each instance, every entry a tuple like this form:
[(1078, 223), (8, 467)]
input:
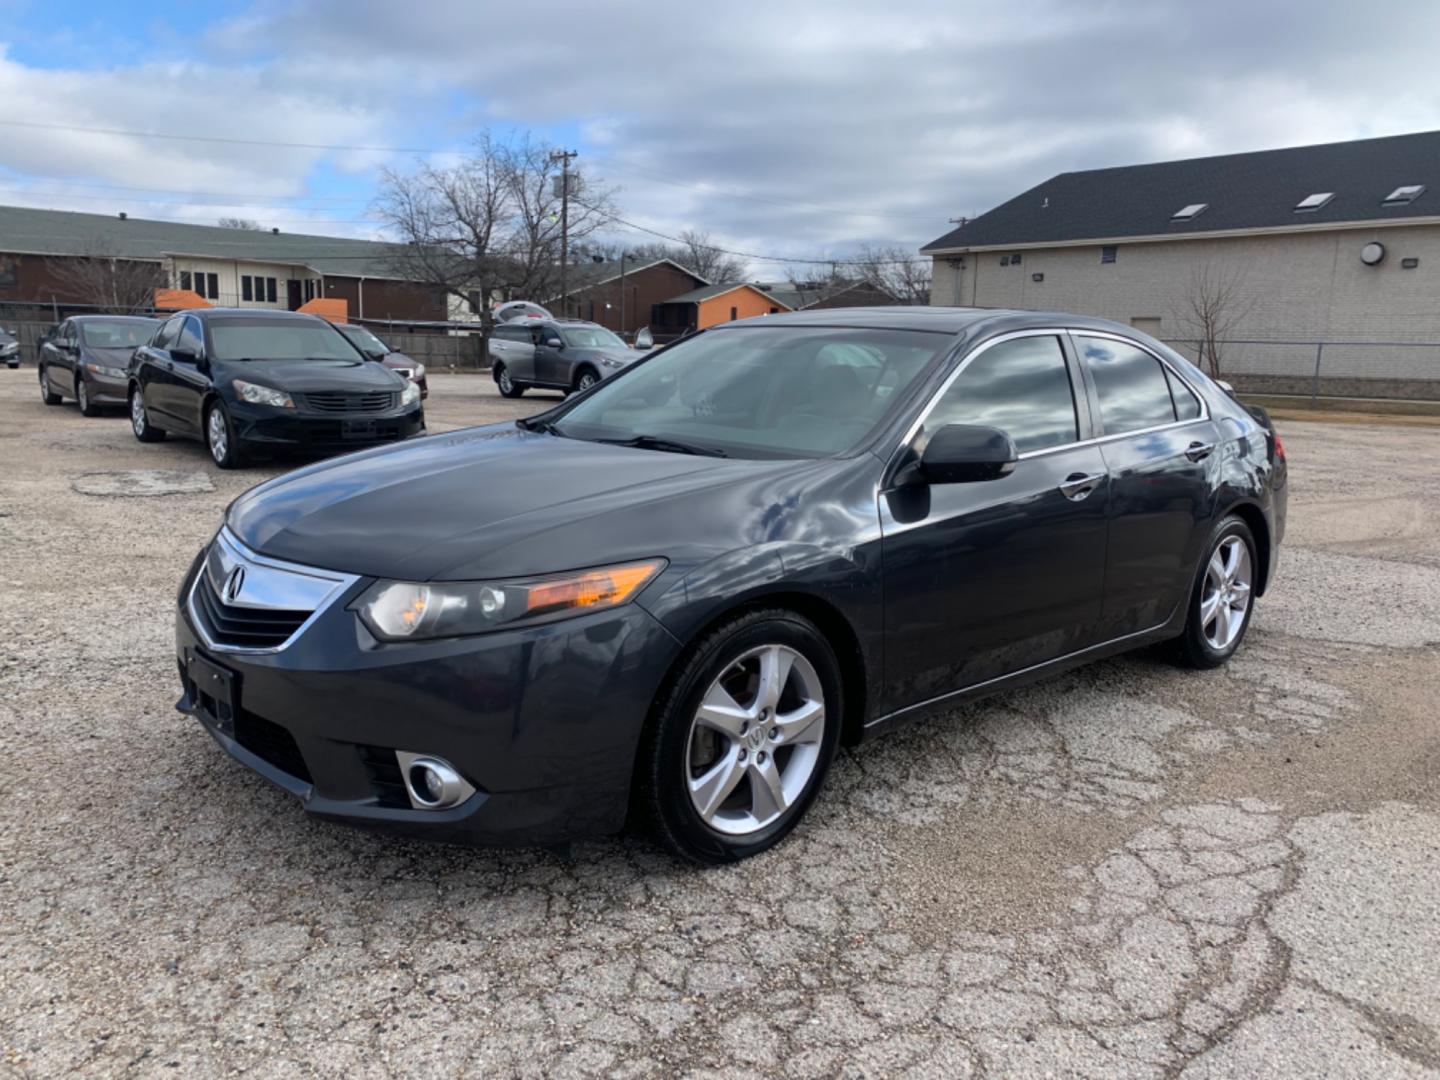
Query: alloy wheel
[(137, 412), (755, 740), (506, 385), (1225, 599), (217, 435), (587, 380), (82, 396)]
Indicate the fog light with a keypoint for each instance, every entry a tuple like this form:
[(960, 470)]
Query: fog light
[(431, 782)]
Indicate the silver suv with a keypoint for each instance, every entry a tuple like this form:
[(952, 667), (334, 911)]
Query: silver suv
[(557, 354)]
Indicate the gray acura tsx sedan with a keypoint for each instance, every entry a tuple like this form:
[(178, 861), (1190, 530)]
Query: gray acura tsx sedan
[(674, 596)]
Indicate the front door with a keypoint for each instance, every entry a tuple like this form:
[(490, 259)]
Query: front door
[(988, 578), (550, 365), (292, 295), (189, 381), (1163, 474)]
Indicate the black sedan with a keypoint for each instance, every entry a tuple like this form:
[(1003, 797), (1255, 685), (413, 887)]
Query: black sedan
[(680, 592), (251, 383), (376, 349), (87, 358)]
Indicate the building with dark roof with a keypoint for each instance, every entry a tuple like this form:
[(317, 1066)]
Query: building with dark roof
[(220, 266), (711, 305), (1337, 242), (622, 297)]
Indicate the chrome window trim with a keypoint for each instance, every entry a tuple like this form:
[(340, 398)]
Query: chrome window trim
[(1056, 332), (339, 584)]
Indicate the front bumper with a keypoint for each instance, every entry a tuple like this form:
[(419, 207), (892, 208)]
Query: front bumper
[(544, 722), (264, 428), (106, 390)]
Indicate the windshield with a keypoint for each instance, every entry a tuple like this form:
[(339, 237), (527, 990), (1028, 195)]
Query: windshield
[(278, 339), (590, 337), (761, 392), (365, 339), (117, 334)]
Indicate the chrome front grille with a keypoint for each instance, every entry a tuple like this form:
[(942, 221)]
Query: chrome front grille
[(376, 401), (244, 602)]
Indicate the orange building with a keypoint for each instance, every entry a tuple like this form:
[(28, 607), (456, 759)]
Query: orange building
[(711, 305)]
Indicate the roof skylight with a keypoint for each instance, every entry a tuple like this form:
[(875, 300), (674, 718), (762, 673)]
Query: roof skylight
[(1313, 202), (1402, 195), (1185, 213)]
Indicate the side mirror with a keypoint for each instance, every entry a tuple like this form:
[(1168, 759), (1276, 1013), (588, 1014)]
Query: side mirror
[(554, 343), (644, 339), (184, 356), (964, 453)]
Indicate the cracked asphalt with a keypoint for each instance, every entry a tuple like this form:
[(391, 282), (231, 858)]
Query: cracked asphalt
[(1130, 870)]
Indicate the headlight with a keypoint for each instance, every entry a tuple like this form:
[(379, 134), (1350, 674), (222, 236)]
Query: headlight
[(410, 395), (610, 361), (262, 395), (419, 372), (108, 372), (404, 611), (9, 347)]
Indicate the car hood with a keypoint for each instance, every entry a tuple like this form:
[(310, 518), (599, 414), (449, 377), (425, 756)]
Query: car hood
[(500, 501), (305, 376), (399, 360)]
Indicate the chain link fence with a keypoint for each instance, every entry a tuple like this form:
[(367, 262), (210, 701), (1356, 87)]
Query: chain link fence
[(1395, 370)]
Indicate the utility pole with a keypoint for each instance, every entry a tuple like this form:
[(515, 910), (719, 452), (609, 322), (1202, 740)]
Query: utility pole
[(564, 157), (622, 293)]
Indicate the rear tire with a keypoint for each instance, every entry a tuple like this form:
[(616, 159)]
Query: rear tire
[(1222, 599), (46, 394), (719, 790), (82, 397), (140, 419), (508, 387)]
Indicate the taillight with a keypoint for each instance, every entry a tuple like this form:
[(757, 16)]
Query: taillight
[(1279, 447)]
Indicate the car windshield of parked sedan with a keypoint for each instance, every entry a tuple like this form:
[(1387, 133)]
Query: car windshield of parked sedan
[(759, 391), (278, 339), (590, 337), (117, 334), (365, 339)]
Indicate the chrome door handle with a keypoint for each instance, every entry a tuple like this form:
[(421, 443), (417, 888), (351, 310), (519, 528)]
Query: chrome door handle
[(1078, 485), (1198, 451)]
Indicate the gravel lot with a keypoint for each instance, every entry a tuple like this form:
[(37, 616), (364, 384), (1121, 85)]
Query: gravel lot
[(1130, 870)]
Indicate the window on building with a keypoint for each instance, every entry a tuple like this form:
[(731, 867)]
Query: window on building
[(1021, 387), (1191, 210), (1311, 203), (1131, 384), (734, 314), (184, 279), (246, 293), (1004, 260), (270, 290), (9, 271), (1107, 253), (1015, 259), (1406, 194), (212, 282)]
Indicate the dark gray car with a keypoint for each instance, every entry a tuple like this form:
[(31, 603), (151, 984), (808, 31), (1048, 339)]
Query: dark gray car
[(9, 349), (87, 357), (559, 354)]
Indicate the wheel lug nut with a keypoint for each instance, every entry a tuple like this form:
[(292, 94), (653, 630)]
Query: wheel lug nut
[(774, 733), (760, 757), (742, 755)]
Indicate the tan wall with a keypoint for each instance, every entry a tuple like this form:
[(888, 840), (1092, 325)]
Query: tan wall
[(1300, 285)]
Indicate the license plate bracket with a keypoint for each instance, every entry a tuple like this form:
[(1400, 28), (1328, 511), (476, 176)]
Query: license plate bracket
[(216, 691), (357, 429)]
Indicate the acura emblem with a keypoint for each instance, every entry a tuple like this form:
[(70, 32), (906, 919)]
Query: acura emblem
[(234, 583)]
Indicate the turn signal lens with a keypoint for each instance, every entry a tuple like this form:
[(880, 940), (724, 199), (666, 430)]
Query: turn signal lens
[(408, 611)]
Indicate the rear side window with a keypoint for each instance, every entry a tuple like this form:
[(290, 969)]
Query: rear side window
[(1020, 386), (1187, 405), (1131, 384)]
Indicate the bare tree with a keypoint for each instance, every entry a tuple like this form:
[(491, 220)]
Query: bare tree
[(489, 223), (111, 283), (1215, 301), (899, 273), (249, 224), (707, 261)]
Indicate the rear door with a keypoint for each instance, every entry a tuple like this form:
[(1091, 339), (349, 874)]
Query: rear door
[(1162, 453), (988, 578)]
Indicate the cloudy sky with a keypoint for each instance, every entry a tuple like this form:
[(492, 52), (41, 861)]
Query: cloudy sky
[(791, 130)]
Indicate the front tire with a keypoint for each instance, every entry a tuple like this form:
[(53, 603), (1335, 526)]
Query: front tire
[(82, 397), (220, 437), (508, 387), (48, 396), (740, 743), (1223, 597), (140, 418), (585, 378)]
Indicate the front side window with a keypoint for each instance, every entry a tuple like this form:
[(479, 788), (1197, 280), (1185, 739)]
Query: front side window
[(764, 392), (165, 339), (1131, 384), (116, 333), (191, 338), (278, 339), (1021, 386), (591, 337)]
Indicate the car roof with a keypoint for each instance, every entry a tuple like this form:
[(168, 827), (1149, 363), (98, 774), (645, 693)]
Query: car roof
[(114, 318), (206, 314), (943, 320)]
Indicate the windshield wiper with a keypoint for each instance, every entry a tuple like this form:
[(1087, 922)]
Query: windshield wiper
[(531, 423), (673, 446)]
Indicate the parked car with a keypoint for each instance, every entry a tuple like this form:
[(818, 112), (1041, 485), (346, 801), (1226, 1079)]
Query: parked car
[(684, 590), (87, 357), (250, 383), (369, 344), (557, 354), (9, 349)]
